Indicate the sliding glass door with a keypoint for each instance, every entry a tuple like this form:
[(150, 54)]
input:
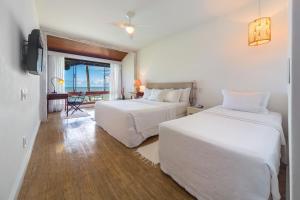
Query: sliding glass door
[(89, 77), (99, 78)]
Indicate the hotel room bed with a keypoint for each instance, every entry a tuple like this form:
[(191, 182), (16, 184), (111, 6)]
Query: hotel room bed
[(133, 121), (224, 154)]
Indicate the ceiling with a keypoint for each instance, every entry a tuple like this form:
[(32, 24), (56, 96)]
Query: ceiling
[(78, 48), (92, 20)]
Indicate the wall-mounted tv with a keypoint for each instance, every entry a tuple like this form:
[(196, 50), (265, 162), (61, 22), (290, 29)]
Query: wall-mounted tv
[(34, 54)]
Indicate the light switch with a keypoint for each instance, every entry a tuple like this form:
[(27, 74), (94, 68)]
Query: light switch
[(24, 142), (23, 94)]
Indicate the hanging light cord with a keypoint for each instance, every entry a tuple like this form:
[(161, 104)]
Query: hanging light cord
[(259, 8)]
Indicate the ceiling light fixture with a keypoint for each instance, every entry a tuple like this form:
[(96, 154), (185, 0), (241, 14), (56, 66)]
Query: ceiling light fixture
[(259, 30), (129, 29)]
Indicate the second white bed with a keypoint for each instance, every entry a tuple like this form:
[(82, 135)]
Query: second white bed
[(223, 154)]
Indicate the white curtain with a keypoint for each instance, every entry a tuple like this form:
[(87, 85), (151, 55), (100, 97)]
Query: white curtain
[(56, 68), (115, 81)]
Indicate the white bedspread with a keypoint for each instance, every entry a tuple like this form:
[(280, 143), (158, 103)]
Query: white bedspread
[(222, 154), (132, 121)]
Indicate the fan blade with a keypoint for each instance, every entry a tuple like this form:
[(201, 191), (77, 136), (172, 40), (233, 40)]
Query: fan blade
[(142, 25), (122, 25)]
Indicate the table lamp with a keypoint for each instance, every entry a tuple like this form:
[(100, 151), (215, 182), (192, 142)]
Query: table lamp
[(137, 84), (59, 81)]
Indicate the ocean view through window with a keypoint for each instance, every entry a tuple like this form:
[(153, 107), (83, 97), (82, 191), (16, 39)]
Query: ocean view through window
[(89, 77)]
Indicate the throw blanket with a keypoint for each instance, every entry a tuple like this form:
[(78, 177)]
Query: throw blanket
[(149, 118), (267, 120), (132, 121), (242, 148)]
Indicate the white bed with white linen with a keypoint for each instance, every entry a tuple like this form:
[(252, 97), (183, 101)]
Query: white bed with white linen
[(224, 154), (133, 121)]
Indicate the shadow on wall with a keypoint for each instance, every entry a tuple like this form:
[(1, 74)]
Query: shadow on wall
[(250, 12), (23, 52), (16, 43)]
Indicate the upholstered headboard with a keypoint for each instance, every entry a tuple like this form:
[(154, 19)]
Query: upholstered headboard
[(175, 85)]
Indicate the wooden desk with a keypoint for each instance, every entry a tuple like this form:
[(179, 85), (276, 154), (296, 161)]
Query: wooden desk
[(57, 96)]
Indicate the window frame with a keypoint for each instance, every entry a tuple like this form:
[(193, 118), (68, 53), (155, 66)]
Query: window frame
[(71, 63)]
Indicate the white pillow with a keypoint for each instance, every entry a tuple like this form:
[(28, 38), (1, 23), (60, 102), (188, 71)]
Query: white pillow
[(255, 102), (172, 96), (156, 95), (185, 95), (147, 93)]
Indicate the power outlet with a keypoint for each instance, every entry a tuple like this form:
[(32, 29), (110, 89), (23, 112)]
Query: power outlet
[(24, 142)]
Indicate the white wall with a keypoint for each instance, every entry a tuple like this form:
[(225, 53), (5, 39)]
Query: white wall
[(294, 108), (17, 118), (44, 80), (128, 73), (216, 54)]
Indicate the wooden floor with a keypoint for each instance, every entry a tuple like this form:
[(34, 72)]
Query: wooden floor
[(74, 159)]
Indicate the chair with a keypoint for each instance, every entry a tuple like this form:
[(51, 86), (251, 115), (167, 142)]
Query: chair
[(75, 102)]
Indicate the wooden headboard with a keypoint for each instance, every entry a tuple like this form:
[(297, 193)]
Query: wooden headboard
[(175, 85)]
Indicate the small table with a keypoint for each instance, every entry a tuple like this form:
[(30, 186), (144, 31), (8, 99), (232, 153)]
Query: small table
[(57, 96), (135, 95), (194, 109)]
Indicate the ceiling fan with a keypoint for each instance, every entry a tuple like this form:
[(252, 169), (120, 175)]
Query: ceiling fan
[(127, 26)]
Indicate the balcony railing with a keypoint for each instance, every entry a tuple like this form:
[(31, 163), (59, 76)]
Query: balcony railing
[(92, 96)]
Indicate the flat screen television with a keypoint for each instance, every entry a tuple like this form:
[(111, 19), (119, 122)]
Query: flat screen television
[(34, 57)]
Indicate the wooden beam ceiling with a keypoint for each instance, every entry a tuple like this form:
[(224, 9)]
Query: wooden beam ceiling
[(78, 48)]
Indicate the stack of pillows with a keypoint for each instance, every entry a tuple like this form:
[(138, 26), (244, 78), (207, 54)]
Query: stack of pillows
[(168, 95)]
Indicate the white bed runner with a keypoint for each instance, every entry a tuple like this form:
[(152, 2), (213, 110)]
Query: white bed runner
[(149, 152)]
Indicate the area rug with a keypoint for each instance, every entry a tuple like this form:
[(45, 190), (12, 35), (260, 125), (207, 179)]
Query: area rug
[(76, 114), (149, 153)]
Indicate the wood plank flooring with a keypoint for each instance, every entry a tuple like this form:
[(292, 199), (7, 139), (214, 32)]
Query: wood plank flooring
[(74, 159)]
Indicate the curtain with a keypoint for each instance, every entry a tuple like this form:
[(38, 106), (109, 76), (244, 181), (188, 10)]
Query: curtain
[(115, 81), (56, 69)]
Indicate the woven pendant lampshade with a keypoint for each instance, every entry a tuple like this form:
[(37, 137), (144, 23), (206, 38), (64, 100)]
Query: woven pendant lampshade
[(259, 31)]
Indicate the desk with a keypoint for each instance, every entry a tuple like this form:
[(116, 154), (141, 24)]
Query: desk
[(57, 96)]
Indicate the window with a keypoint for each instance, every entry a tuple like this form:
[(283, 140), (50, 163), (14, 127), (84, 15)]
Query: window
[(87, 76), (99, 78)]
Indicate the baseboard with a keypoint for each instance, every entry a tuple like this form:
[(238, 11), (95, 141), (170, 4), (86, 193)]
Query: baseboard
[(19, 180), (287, 185)]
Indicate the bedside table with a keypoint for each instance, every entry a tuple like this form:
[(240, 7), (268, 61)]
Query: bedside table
[(192, 110), (136, 95)]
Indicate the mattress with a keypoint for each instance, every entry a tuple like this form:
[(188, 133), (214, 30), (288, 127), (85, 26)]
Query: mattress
[(224, 154), (133, 121)]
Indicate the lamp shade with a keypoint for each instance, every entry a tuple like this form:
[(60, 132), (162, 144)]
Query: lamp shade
[(142, 88), (61, 81), (137, 83), (259, 31)]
